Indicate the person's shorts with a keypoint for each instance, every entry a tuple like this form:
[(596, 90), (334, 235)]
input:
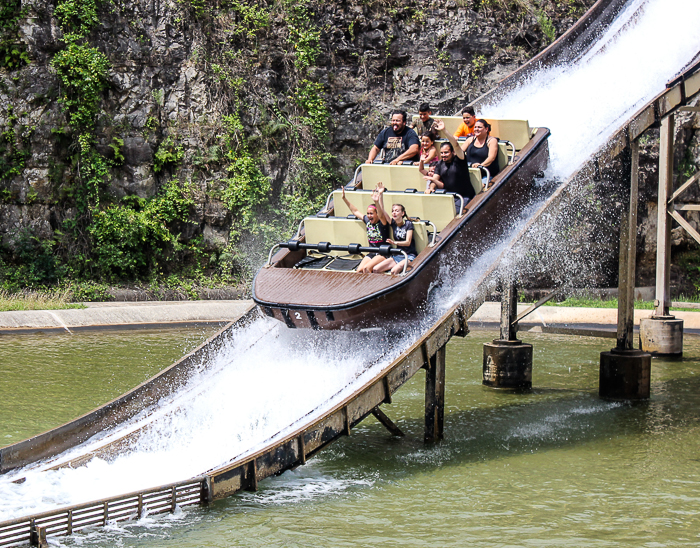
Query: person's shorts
[(399, 258)]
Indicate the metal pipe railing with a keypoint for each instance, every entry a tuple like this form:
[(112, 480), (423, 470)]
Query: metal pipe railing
[(65, 521)]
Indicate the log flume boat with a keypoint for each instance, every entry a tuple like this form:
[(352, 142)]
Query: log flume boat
[(311, 282)]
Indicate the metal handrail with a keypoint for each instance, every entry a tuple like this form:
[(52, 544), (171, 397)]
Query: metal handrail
[(326, 208), (432, 241), (301, 223), (385, 250), (512, 148), (488, 177), (461, 204), (354, 178), (269, 257), (64, 521), (405, 262)]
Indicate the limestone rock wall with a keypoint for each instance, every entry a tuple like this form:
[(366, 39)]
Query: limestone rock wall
[(179, 67)]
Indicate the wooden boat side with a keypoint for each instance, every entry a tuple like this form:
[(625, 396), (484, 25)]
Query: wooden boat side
[(333, 300)]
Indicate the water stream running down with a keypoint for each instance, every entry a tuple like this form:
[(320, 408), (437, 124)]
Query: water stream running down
[(269, 378), (584, 102)]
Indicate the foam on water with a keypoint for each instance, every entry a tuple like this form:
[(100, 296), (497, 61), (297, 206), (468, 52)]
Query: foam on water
[(248, 395), (269, 378)]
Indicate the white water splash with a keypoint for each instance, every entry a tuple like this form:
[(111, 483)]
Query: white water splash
[(584, 102)]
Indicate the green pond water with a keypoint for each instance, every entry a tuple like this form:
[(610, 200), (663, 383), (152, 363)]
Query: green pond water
[(555, 466), (47, 379)]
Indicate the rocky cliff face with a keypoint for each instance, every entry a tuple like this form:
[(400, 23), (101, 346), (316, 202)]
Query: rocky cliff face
[(252, 110)]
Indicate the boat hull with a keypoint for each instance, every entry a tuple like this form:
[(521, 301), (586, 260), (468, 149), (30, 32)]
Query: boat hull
[(333, 300)]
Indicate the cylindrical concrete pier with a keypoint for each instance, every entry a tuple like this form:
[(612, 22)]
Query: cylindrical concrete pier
[(508, 364), (661, 335), (625, 375)]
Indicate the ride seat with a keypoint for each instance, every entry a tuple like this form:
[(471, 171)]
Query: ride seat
[(506, 151), (420, 235), (336, 230), (517, 132), (342, 231), (397, 178), (438, 208)]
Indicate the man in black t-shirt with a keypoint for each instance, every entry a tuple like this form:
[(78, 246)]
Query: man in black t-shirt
[(399, 143), (452, 171)]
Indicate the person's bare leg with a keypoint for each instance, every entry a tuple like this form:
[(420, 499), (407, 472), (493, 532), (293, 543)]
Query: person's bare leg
[(362, 267), (374, 262), (398, 268), (385, 265)]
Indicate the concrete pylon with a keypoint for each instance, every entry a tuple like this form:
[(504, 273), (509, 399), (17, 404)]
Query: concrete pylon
[(507, 361), (624, 372), (662, 334)]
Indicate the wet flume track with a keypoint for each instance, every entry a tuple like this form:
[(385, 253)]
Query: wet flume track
[(325, 368)]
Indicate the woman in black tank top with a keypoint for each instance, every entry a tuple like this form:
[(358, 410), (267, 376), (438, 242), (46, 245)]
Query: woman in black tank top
[(482, 149)]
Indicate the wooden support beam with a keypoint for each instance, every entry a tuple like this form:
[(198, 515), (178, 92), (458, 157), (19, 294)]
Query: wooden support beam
[(435, 397), (387, 422), (387, 389), (346, 416), (206, 494), (139, 506), (426, 356), (509, 311), (628, 258), (686, 207), (663, 226), (252, 474), (686, 225), (684, 186), (302, 449), (37, 536)]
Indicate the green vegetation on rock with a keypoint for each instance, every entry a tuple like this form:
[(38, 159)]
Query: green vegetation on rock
[(13, 53)]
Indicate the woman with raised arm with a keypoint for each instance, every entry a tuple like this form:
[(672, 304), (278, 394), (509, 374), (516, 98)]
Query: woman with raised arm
[(403, 238), (452, 171), (481, 149), (377, 229)]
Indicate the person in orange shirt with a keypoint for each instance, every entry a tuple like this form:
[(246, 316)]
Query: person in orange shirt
[(467, 126)]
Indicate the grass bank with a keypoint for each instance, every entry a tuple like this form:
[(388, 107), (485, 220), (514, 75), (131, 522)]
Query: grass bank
[(37, 300), (592, 302)]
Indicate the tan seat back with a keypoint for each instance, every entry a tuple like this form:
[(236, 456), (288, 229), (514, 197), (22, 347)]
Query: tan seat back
[(394, 177), (502, 157), (515, 131), (437, 208), (336, 231), (452, 123), (421, 236), (475, 179)]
